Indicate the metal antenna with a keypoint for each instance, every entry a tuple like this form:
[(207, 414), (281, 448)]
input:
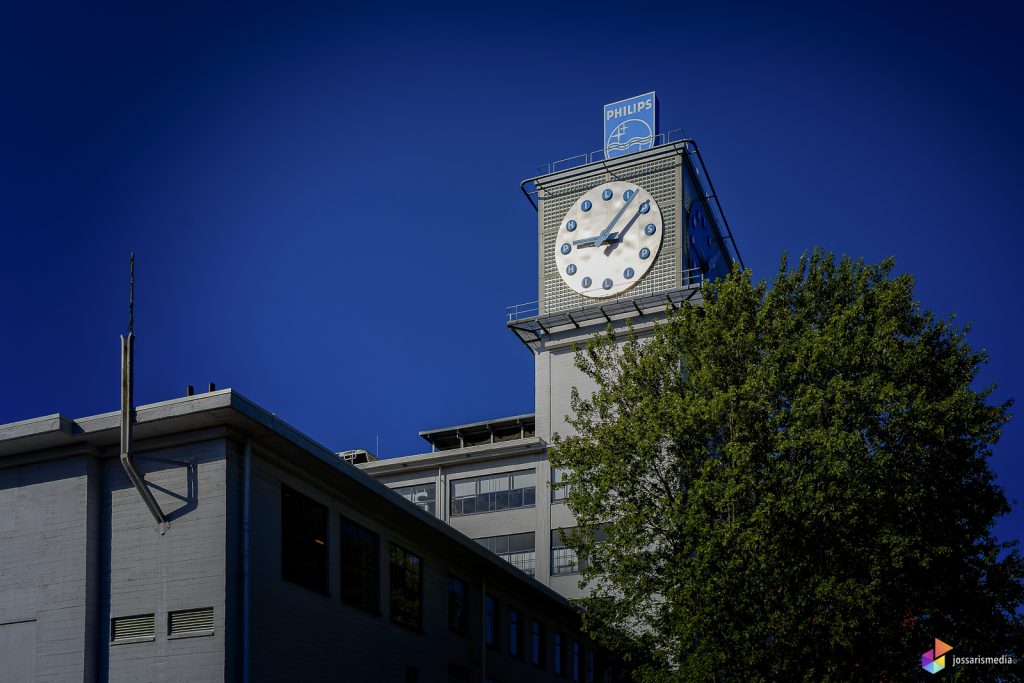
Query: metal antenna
[(131, 294), (128, 407)]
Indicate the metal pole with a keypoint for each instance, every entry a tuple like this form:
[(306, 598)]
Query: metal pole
[(128, 410)]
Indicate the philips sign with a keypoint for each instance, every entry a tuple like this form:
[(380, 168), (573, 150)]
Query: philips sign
[(630, 125)]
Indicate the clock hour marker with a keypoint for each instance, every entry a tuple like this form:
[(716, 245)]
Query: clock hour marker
[(570, 269), (645, 207), (586, 205), (645, 252), (587, 282), (606, 195), (570, 226), (566, 248), (628, 273), (650, 229), (607, 284), (628, 194)]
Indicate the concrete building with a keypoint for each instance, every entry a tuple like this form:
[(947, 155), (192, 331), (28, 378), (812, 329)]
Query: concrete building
[(279, 560), (492, 480)]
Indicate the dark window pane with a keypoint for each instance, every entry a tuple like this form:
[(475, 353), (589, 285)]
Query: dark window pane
[(303, 540), (458, 614), (406, 583), (515, 498), (501, 500), (529, 497), (491, 621), (514, 635), (537, 644), (360, 575)]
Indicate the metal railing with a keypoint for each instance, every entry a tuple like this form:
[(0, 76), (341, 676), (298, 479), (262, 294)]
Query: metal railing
[(530, 309), (691, 277), (564, 561), (676, 135), (525, 561)]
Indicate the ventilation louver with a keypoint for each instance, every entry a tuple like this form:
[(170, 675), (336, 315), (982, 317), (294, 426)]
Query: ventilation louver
[(133, 628), (193, 621)]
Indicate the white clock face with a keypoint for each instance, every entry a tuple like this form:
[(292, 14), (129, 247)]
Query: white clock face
[(608, 240)]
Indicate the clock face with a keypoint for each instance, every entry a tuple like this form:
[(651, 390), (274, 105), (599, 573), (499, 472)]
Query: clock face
[(608, 240)]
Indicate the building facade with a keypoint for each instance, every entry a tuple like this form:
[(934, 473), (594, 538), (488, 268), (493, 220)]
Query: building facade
[(619, 242), (279, 560)]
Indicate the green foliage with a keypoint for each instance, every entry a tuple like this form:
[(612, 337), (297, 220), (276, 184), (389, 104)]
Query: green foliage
[(794, 485)]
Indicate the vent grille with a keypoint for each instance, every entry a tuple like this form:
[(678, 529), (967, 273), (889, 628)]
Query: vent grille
[(133, 628), (191, 621)]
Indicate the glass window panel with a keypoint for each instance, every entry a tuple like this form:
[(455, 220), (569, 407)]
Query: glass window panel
[(303, 541), (528, 496), (464, 487), (359, 566), (522, 480), (518, 543), (406, 584)]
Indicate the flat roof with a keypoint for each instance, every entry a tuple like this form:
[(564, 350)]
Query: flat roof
[(56, 436), (477, 433)]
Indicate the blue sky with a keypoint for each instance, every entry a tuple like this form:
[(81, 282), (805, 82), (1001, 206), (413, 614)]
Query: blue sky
[(324, 199)]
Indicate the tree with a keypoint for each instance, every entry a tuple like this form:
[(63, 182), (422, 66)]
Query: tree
[(793, 485)]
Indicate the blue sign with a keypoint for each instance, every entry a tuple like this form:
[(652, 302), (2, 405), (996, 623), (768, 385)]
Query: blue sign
[(630, 125)]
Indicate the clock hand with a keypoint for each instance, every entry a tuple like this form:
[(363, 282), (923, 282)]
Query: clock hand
[(615, 239), (604, 233)]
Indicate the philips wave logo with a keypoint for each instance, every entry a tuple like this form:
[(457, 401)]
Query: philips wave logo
[(933, 661), (630, 125), (632, 135)]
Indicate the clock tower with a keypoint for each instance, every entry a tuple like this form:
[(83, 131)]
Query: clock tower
[(622, 235)]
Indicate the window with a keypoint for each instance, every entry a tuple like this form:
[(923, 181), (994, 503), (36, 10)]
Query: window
[(360, 562), (494, 492), (590, 666), (537, 643), (491, 621), (303, 540), (458, 614), (576, 661), (422, 496), (406, 587), (515, 635), (517, 549), (558, 475), (563, 559), (559, 655)]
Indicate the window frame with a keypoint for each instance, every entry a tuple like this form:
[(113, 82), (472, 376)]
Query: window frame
[(345, 567), (492, 619), (487, 491), (527, 558), (558, 653), (515, 633), (458, 623), (301, 552), (538, 644), (399, 584), (411, 488)]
